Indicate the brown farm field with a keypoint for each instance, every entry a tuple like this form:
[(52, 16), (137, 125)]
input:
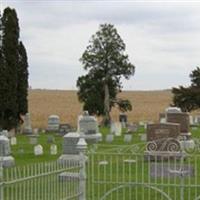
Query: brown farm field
[(146, 105)]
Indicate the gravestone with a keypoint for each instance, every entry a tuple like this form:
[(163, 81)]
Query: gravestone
[(170, 170), (132, 128), (88, 125), (11, 133), (50, 139), (182, 119), (35, 131), (53, 123), (162, 118), (53, 149), (143, 137), (123, 119), (13, 141), (64, 129), (38, 150), (127, 138), (116, 128), (33, 139), (109, 138), (5, 152), (5, 133), (70, 150), (27, 124), (157, 135)]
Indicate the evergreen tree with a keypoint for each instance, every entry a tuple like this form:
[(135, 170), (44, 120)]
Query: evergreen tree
[(22, 81), (188, 98), (13, 73), (107, 63)]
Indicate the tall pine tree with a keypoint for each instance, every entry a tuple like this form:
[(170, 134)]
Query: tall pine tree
[(13, 73)]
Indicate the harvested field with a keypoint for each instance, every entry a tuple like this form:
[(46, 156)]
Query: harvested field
[(42, 103)]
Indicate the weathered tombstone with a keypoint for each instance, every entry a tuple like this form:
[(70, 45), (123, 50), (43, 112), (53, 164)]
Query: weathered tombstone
[(27, 124), (50, 139), (13, 140), (159, 133), (109, 138), (132, 128), (53, 123), (170, 170), (70, 150), (162, 118), (127, 138), (5, 152), (183, 120), (64, 129), (116, 128), (53, 149), (123, 119), (35, 131), (33, 139), (38, 150), (143, 137), (88, 125)]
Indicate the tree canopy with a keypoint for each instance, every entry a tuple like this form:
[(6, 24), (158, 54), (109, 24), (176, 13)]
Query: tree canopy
[(106, 63), (188, 98)]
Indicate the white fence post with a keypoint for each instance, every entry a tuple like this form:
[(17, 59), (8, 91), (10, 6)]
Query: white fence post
[(82, 146), (1, 180)]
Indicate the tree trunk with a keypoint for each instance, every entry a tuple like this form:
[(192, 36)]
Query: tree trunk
[(106, 118)]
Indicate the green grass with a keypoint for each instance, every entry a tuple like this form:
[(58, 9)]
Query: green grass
[(100, 179)]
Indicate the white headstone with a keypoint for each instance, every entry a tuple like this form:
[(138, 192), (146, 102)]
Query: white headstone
[(116, 128), (53, 149), (13, 140), (127, 138), (38, 150), (143, 137), (109, 138)]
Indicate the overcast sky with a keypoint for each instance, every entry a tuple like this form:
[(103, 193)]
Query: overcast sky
[(162, 39)]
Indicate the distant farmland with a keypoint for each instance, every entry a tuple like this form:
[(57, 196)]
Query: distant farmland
[(146, 105)]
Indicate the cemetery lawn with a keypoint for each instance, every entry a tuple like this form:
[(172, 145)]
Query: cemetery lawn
[(23, 152)]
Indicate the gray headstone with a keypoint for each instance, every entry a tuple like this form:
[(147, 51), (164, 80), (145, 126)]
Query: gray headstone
[(38, 150), (109, 138), (170, 170), (33, 139), (127, 138), (50, 139), (53, 123), (70, 143), (27, 124)]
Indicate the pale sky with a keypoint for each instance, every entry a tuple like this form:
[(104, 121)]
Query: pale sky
[(162, 39)]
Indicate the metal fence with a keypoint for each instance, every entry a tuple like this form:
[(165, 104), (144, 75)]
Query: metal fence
[(119, 173), (41, 181)]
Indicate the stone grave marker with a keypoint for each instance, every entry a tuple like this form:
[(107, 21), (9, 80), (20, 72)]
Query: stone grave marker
[(170, 170), (5, 133), (5, 152), (53, 123), (35, 131), (123, 119), (183, 120), (116, 128), (27, 124), (33, 139), (158, 133), (13, 140), (109, 138), (132, 128), (11, 133), (143, 137), (53, 149), (162, 118), (50, 139), (64, 129), (88, 125), (128, 138), (38, 150)]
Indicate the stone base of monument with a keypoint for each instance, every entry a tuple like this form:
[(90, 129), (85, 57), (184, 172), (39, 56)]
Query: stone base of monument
[(93, 138), (28, 131), (7, 161), (70, 159), (163, 155), (69, 176), (186, 136)]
